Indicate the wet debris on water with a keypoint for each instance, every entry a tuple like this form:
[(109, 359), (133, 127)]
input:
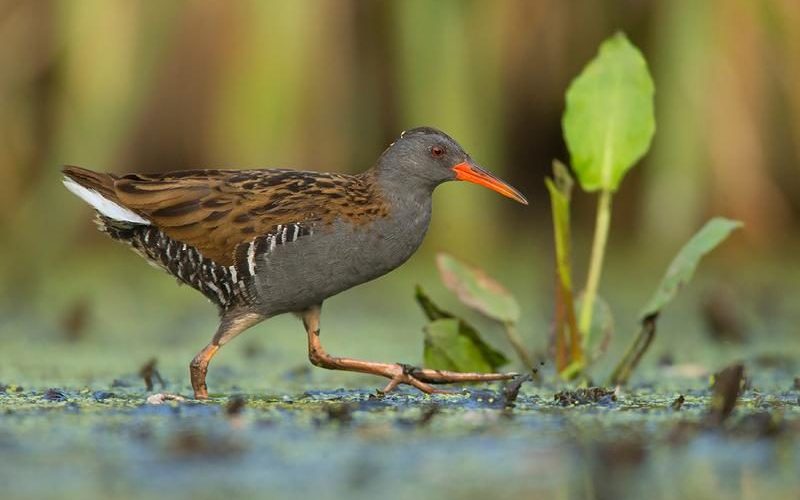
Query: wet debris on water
[(75, 320), (584, 396), (120, 383), (485, 399), (728, 385), (163, 397), (678, 403), (102, 395), (511, 390), (149, 372), (722, 316), (9, 388), (55, 395)]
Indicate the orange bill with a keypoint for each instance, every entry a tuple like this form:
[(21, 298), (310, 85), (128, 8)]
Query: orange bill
[(466, 171)]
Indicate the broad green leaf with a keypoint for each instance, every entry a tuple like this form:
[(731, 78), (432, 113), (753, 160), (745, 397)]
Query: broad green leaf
[(609, 118), (682, 267), (431, 310), (477, 290), (679, 272), (452, 344)]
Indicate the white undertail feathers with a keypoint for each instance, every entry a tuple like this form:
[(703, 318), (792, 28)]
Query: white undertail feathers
[(102, 204)]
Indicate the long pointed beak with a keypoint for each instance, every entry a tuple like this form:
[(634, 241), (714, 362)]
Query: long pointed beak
[(466, 171)]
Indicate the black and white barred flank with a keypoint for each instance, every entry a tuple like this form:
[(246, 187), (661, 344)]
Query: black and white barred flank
[(220, 284), (248, 253), (226, 286)]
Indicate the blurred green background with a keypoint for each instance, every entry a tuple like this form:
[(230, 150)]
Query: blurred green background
[(326, 85)]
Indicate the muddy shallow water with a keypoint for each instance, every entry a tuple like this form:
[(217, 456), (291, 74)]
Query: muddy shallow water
[(351, 444)]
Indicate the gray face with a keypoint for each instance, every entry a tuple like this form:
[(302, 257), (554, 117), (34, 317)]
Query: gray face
[(424, 153)]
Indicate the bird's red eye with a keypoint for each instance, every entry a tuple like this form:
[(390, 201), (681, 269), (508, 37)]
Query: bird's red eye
[(437, 151)]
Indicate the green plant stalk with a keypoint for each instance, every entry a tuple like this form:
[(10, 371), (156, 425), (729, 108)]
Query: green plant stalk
[(519, 346), (630, 360), (569, 351), (562, 359), (568, 326), (596, 263)]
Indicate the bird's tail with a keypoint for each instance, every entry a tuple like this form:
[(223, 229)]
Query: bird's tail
[(97, 189)]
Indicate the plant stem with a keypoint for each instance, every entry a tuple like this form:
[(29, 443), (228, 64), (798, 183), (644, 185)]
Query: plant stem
[(560, 326), (596, 263), (622, 372), (516, 342)]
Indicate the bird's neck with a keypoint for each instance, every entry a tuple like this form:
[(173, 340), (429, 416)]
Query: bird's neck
[(400, 188), (395, 236), (409, 198)]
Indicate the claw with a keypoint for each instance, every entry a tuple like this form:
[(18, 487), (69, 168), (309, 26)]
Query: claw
[(407, 376)]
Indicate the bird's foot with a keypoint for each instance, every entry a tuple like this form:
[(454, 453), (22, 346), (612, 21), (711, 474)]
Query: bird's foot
[(405, 375), (421, 378)]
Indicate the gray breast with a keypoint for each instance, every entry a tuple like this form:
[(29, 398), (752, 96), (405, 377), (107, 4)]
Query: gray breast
[(332, 258)]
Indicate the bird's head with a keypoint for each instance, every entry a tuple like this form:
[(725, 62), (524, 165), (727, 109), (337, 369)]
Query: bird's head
[(429, 155)]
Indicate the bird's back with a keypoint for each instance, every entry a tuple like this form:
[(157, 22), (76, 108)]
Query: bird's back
[(273, 240)]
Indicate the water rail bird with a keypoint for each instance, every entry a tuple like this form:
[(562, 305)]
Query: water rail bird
[(258, 243)]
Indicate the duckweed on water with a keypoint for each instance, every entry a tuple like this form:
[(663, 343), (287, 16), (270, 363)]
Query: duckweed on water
[(355, 444)]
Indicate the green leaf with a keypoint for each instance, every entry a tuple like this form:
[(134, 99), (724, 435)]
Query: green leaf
[(678, 274), (609, 119), (477, 290), (452, 344), (431, 310), (681, 270)]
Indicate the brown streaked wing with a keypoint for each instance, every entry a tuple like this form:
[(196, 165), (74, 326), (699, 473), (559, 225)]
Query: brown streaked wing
[(216, 210), (211, 210)]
